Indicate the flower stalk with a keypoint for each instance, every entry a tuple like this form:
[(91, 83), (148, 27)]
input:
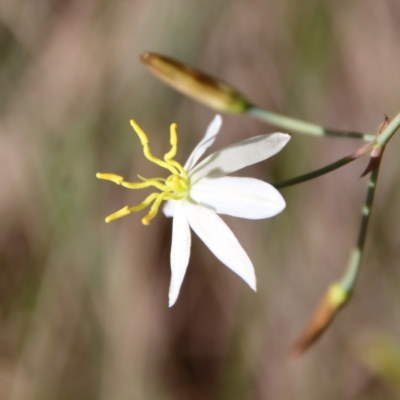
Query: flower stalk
[(328, 168), (224, 97), (195, 193), (294, 125), (389, 131), (340, 292)]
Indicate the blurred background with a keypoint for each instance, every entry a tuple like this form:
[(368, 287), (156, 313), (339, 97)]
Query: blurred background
[(83, 304)]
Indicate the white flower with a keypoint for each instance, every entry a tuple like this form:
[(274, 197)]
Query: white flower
[(196, 193)]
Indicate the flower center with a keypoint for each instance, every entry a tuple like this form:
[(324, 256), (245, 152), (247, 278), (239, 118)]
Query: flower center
[(177, 184), (175, 187)]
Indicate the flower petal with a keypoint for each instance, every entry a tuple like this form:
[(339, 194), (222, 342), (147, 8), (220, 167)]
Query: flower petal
[(169, 208), (220, 240), (205, 143), (180, 251), (239, 155), (240, 197)]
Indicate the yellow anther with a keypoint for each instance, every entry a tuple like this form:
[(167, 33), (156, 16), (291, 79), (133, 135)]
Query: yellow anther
[(174, 143), (120, 213), (142, 136), (173, 134), (110, 177)]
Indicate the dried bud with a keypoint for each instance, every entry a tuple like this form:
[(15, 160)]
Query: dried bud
[(210, 91), (384, 124), (377, 149), (335, 298)]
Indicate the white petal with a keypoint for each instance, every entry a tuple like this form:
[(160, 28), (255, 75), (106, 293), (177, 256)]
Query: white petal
[(180, 251), (239, 155), (205, 143), (168, 208), (220, 240), (240, 197)]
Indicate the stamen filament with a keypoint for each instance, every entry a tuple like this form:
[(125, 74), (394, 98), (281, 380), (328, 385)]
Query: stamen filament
[(180, 168), (175, 187), (144, 203), (152, 179), (146, 149), (171, 154), (145, 184), (154, 208)]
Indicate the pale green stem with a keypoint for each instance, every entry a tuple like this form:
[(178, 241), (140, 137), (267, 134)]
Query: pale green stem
[(349, 277), (348, 280), (293, 125), (328, 168), (389, 131), (314, 174)]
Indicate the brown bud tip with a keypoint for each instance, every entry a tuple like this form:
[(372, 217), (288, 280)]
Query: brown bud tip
[(375, 160), (384, 123), (335, 298), (377, 149), (144, 57), (212, 92)]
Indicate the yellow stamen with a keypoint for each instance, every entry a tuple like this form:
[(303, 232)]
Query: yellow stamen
[(175, 187), (153, 179), (144, 203), (174, 143), (154, 208), (146, 149), (168, 157), (141, 185), (110, 177), (120, 213)]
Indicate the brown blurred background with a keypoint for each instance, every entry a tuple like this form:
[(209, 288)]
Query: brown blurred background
[(83, 304)]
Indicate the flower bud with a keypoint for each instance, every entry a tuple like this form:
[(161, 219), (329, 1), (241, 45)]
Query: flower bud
[(335, 298), (210, 91)]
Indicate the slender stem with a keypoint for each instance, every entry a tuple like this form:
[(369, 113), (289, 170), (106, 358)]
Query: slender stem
[(348, 280), (298, 126), (314, 174), (385, 136), (328, 168)]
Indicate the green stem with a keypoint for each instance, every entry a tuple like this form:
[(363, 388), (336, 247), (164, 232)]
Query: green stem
[(298, 126), (314, 174), (328, 168), (386, 135), (348, 280)]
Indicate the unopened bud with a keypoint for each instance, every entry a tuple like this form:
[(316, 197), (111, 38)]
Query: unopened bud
[(212, 92), (335, 298)]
